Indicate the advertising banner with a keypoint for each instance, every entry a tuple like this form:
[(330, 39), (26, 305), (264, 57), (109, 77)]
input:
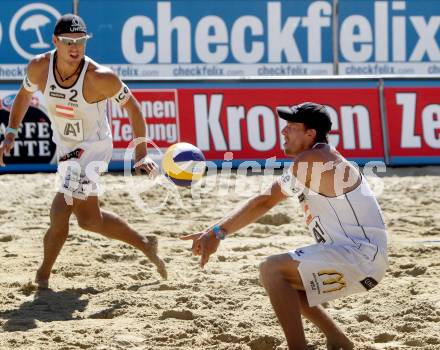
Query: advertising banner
[(414, 124), (161, 113), (389, 37), (236, 120), (197, 38), (26, 29), (33, 145), (244, 121)]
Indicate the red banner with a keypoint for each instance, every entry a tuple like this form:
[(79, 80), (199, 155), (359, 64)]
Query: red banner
[(160, 110), (414, 121), (244, 120)]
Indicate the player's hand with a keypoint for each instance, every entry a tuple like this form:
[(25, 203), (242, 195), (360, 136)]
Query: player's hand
[(148, 166), (203, 244), (6, 146)]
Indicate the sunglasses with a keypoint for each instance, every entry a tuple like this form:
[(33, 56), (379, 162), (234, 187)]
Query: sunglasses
[(74, 41)]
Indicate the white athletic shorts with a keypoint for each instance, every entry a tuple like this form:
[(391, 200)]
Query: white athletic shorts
[(79, 169), (331, 271)]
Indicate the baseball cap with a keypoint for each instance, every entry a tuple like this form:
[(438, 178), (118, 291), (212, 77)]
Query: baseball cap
[(70, 23), (312, 115)]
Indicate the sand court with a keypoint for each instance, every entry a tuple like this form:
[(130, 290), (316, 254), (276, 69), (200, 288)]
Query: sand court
[(107, 295)]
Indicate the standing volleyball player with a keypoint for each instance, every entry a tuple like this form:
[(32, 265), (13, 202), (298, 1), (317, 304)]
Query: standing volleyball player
[(76, 90), (341, 212)]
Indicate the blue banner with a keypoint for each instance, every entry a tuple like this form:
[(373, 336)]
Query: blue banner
[(198, 38), (202, 38), (389, 37), (26, 30)]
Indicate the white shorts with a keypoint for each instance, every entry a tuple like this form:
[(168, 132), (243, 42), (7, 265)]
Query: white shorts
[(79, 169), (331, 271)]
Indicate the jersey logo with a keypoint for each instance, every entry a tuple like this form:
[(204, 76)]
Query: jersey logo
[(64, 111), (318, 232), (56, 94), (72, 130)]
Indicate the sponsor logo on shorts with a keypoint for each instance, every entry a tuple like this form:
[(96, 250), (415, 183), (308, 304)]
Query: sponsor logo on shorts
[(301, 197), (335, 280), (299, 252), (74, 154), (369, 283)]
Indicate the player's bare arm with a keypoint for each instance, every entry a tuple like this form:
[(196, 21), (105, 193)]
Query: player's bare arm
[(107, 85), (207, 242), (34, 80)]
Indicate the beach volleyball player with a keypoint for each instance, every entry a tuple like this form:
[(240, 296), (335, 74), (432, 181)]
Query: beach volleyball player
[(76, 90), (350, 254)]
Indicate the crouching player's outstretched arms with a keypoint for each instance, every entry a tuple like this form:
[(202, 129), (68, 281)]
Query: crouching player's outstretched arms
[(205, 243)]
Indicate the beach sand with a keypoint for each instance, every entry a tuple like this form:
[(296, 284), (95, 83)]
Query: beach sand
[(106, 295)]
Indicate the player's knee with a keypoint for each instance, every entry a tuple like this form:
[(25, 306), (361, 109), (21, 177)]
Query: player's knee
[(59, 217), (268, 270), (88, 223), (56, 232)]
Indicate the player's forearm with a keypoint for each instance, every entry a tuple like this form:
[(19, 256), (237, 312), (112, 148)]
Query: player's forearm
[(19, 109), (139, 129), (251, 211)]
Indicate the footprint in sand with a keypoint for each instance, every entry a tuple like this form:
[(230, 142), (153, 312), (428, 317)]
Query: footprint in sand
[(406, 328), (249, 281), (6, 238), (274, 219), (178, 314), (247, 248), (265, 342), (417, 271), (229, 338), (415, 343), (363, 317), (384, 338)]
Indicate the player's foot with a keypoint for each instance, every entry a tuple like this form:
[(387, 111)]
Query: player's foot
[(151, 252), (41, 281)]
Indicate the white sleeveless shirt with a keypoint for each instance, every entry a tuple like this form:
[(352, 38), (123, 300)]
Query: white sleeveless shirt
[(353, 218), (75, 122)]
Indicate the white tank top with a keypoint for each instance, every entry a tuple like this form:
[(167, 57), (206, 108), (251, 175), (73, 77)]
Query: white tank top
[(353, 218), (75, 122)]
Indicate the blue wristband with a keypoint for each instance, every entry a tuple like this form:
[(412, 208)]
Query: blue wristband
[(11, 131), (219, 233)]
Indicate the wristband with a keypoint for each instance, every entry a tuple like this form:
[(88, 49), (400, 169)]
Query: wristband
[(11, 131), (219, 233)]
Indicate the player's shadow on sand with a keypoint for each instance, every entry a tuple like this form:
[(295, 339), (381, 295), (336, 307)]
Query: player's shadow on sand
[(47, 306)]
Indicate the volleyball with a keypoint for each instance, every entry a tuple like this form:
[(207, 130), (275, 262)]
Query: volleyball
[(184, 164)]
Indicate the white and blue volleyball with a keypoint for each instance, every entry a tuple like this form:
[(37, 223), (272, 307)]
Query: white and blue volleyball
[(184, 164)]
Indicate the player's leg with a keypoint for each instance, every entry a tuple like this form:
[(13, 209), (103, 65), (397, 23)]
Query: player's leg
[(54, 238), (284, 299), (91, 218), (282, 281), (336, 338)]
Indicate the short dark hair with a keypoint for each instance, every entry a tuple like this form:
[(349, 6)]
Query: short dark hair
[(312, 115)]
